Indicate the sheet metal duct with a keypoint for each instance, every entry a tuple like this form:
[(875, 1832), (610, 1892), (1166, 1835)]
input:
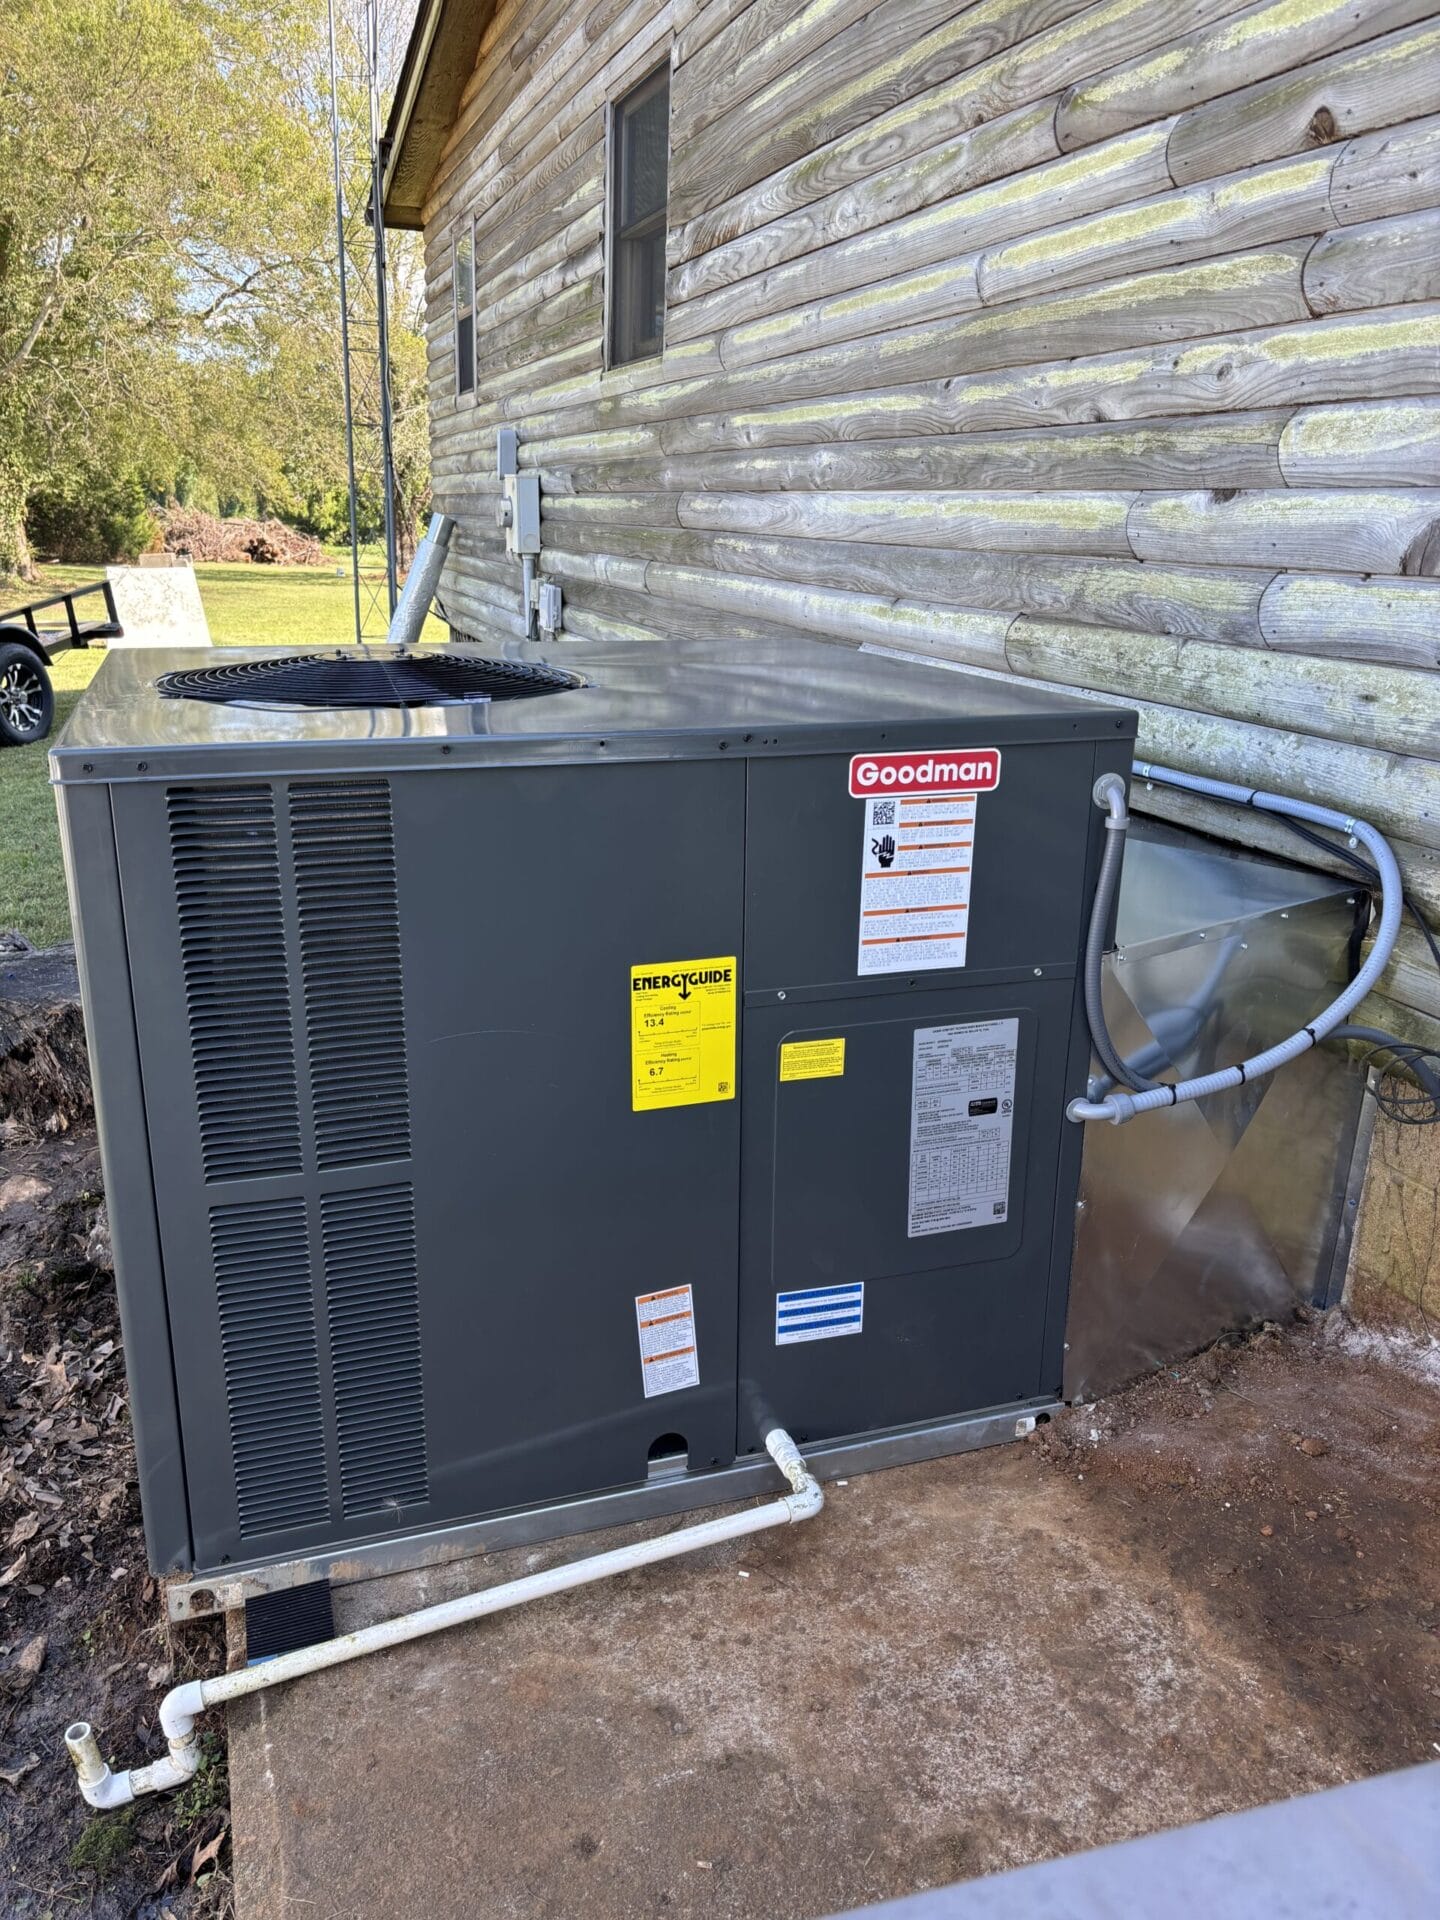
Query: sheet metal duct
[(1207, 1217)]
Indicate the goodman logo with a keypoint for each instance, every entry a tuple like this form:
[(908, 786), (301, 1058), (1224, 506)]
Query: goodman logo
[(955, 770)]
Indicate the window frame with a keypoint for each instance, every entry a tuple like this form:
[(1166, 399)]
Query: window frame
[(614, 115), (464, 234)]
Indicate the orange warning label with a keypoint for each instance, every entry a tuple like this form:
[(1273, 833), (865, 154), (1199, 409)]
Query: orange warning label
[(669, 1357)]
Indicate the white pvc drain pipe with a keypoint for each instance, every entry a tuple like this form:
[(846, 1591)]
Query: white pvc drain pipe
[(181, 1706)]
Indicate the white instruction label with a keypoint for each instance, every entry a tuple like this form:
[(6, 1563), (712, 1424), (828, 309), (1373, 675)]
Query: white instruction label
[(962, 1115), (819, 1313), (915, 864), (669, 1358)]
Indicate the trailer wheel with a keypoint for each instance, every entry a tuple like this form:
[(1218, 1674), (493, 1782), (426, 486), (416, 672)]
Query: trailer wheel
[(27, 699)]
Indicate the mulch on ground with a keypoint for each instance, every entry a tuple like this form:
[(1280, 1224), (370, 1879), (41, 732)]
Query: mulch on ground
[(81, 1620)]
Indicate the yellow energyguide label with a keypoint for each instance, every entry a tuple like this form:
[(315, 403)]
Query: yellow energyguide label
[(682, 1032), (812, 1059)]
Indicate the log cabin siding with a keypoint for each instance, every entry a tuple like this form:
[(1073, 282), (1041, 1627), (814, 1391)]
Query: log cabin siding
[(1090, 341)]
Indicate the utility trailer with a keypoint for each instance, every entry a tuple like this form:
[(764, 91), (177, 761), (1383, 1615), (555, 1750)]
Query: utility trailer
[(27, 699)]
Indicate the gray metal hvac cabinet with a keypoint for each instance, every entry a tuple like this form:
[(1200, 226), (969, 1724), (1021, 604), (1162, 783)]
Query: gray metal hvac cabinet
[(381, 1000)]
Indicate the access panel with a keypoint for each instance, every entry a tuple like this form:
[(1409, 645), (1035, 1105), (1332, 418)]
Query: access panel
[(898, 1266), (912, 1033)]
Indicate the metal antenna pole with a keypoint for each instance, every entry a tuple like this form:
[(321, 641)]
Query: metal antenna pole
[(344, 315), (382, 302)]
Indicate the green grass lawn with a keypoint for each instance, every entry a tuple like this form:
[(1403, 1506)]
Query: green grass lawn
[(246, 606)]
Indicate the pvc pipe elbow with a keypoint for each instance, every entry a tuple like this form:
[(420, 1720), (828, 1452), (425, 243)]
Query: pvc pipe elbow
[(99, 1787), (808, 1496), (806, 1501), (180, 1709)]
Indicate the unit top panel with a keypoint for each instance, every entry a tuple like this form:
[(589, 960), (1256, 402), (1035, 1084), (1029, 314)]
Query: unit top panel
[(636, 700)]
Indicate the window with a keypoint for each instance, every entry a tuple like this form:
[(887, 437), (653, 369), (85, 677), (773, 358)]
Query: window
[(639, 188), (464, 278)]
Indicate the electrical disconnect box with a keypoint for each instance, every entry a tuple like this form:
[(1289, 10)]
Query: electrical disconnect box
[(517, 1072)]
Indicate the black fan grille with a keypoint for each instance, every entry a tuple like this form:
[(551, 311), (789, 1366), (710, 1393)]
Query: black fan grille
[(384, 678)]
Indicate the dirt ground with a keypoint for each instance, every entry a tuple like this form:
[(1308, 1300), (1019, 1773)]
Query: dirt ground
[(81, 1621), (1217, 1588)]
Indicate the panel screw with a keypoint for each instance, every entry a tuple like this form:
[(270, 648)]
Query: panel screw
[(142, 766), (88, 767), (781, 994), (1039, 973)]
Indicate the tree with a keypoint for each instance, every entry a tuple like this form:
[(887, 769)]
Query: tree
[(168, 298)]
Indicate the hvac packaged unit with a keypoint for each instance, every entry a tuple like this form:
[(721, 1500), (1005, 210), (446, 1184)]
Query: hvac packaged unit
[(523, 1078)]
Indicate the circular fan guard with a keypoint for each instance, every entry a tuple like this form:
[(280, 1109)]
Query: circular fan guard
[(388, 678)]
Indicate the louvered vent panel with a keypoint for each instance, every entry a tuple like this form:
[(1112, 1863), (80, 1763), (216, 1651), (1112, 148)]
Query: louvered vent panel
[(368, 1239), (350, 960), (237, 993), (272, 1370)]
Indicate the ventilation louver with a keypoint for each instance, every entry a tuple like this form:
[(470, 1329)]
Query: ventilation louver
[(373, 1307), (383, 677), (266, 1303), (348, 912), (229, 896)]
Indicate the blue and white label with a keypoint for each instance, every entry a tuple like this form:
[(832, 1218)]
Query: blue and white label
[(818, 1313)]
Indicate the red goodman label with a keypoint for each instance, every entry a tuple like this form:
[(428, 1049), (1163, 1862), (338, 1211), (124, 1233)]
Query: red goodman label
[(949, 770)]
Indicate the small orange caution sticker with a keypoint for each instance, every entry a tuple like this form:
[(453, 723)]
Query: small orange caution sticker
[(669, 1357)]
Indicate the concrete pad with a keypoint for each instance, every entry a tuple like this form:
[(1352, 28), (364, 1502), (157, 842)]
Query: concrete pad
[(853, 1710), (1215, 1591)]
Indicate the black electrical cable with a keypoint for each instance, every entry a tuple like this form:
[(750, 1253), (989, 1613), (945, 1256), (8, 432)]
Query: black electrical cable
[(1392, 1097), (1363, 866), (1420, 1109)]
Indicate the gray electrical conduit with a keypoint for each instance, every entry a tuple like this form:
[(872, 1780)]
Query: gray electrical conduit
[(102, 1787), (1110, 794), (1120, 1106), (407, 622)]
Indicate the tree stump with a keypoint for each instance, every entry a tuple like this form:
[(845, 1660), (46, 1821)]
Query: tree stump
[(44, 1065)]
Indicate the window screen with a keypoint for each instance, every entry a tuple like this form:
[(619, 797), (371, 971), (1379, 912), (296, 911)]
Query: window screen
[(639, 187), (464, 277)]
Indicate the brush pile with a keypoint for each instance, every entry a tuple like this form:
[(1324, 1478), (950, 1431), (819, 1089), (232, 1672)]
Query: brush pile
[(267, 543)]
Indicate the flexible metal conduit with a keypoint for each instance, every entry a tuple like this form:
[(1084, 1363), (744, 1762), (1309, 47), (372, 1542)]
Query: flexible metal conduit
[(1119, 1106), (407, 622), (181, 1706)]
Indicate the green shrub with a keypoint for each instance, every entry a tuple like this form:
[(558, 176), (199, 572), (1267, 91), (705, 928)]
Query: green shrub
[(93, 518)]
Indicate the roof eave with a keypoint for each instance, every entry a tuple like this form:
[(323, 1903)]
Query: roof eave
[(439, 60)]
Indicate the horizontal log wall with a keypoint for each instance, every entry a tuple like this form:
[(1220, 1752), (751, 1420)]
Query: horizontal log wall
[(1095, 342)]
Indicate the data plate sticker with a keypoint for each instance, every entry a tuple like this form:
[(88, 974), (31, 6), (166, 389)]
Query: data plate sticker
[(682, 1033), (669, 1357), (819, 1313), (962, 1114), (812, 1059), (915, 864)]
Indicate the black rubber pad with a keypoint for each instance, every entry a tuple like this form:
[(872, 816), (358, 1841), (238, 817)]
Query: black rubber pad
[(289, 1618)]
